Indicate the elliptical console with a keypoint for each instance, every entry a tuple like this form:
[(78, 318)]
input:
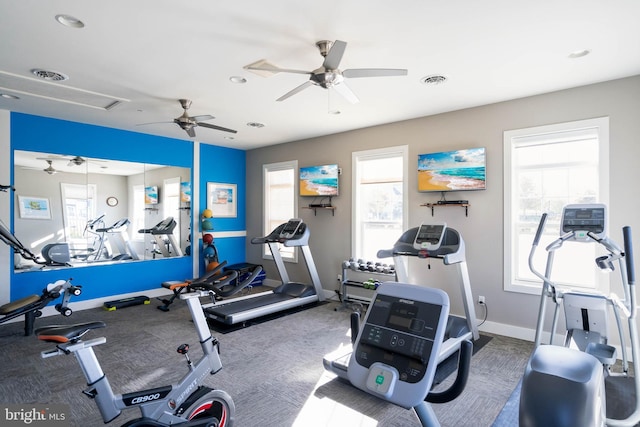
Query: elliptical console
[(583, 219), (396, 351)]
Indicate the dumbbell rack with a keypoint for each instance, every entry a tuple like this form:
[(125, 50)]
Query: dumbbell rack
[(346, 284)]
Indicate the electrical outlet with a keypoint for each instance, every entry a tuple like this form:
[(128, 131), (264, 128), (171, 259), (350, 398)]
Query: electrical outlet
[(481, 300), (339, 277)]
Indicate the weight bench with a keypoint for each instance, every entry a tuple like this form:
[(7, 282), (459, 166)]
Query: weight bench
[(175, 286)]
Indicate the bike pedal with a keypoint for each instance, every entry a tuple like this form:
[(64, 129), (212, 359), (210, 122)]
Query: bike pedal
[(90, 392)]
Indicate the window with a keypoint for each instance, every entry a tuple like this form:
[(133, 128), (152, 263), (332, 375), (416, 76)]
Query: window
[(545, 169), (280, 202), (379, 200), (79, 203)]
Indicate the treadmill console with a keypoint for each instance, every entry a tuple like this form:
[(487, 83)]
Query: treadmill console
[(395, 354), (429, 236), (290, 229), (584, 218)]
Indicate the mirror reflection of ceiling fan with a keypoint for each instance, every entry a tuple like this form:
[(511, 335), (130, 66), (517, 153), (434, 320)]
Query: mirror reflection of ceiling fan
[(188, 123), (73, 160), (49, 169), (328, 75)]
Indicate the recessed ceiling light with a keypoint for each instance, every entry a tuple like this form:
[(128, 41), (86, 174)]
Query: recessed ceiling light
[(229, 137), (579, 53), (334, 112), (255, 125), (238, 79), (434, 79), (69, 21), (8, 96), (53, 76)]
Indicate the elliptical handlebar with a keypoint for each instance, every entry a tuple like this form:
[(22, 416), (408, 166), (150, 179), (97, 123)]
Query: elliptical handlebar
[(628, 255), (543, 221)]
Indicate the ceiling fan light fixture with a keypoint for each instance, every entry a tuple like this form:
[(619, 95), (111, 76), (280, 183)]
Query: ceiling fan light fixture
[(69, 21), (434, 79), (49, 75)]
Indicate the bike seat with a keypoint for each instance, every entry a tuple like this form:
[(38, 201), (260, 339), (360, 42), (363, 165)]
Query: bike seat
[(65, 333)]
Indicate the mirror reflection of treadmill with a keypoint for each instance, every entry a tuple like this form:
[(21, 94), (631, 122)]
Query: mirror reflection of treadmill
[(288, 295), (117, 234), (162, 232)]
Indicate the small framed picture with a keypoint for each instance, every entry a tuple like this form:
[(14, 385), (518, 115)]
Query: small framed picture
[(221, 199), (34, 207)]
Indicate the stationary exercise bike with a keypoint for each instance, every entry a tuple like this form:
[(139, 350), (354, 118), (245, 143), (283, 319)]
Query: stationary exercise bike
[(187, 403), (567, 384)]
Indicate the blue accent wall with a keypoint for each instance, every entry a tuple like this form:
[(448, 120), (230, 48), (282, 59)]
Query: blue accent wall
[(222, 165), (34, 133)]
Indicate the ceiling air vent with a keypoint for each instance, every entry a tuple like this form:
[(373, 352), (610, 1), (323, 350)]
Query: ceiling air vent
[(52, 76), (435, 79)]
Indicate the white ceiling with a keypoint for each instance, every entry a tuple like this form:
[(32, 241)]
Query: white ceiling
[(150, 53)]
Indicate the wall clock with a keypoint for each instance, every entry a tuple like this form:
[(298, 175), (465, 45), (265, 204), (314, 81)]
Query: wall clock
[(112, 201)]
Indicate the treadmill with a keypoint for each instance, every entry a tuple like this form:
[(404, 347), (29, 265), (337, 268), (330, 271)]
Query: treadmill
[(293, 233), (427, 241)]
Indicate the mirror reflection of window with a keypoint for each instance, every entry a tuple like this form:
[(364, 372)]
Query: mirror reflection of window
[(171, 203), (138, 212), (79, 202)]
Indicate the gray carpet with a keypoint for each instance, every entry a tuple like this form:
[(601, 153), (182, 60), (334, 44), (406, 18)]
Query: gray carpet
[(273, 370)]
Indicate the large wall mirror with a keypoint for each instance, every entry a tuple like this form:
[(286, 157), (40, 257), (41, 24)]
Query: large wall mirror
[(101, 210)]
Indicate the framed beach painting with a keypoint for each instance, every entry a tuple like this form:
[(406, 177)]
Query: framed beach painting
[(452, 170)]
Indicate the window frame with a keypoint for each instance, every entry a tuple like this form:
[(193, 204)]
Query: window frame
[(601, 125), (289, 254), (378, 153)]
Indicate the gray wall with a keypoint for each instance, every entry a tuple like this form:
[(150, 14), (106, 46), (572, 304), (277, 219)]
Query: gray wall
[(482, 230)]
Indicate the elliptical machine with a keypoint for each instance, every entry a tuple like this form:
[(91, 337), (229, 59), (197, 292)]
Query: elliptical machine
[(567, 385)]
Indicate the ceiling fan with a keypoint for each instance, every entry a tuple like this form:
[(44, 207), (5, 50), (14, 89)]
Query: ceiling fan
[(328, 75), (188, 123)]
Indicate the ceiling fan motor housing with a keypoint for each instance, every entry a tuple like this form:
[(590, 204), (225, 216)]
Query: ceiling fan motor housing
[(327, 78)]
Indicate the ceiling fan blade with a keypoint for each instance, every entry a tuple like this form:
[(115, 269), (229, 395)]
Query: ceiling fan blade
[(344, 90), (333, 58), (152, 123), (267, 69), (373, 72), (210, 126), (202, 118), (191, 132), (295, 90)]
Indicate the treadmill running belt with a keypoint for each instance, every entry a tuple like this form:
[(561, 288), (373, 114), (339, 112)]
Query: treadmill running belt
[(234, 307)]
